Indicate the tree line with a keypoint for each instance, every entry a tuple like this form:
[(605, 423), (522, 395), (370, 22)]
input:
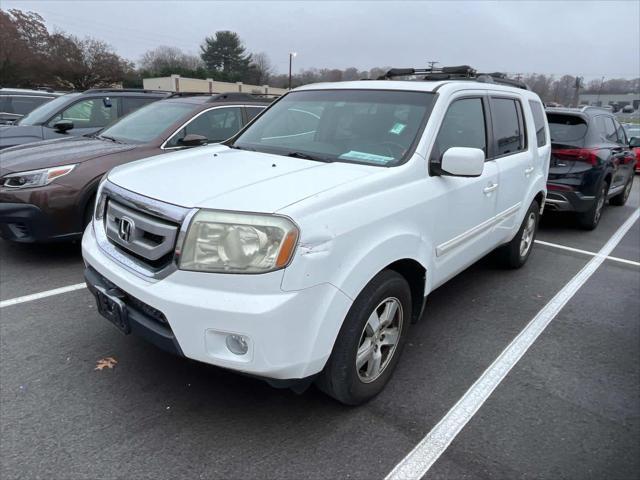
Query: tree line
[(32, 56)]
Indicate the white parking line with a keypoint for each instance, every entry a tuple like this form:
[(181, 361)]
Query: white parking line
[(586, 252), (36, 296), (418, 462)]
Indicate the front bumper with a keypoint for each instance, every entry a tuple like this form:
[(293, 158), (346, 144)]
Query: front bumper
[(20, 222), (290, 333)]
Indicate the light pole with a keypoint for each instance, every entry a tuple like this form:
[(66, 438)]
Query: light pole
[(291, 55)]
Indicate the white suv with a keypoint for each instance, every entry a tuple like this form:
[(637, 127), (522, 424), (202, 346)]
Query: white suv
[(304, 248)]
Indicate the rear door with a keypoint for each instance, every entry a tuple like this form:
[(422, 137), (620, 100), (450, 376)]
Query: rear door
[(624, 155), (514, 159)]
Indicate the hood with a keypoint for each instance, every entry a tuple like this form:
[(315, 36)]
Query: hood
[(51, 153), (222, 178), (11, 135)]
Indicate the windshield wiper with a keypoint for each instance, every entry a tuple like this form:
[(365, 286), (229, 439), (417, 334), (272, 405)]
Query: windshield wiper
[(241, 148), (107, 137), (306, 156)]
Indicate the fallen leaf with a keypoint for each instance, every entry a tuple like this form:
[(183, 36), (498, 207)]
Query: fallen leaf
[(107, 362)]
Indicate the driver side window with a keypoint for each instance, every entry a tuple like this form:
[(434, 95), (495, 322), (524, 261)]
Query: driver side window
[(90, 113), (463, 126), (215, 125)]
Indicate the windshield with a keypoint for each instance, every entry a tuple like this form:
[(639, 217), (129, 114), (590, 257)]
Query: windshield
[(147, 123), (566, 128), (45, 111), (376, 127)]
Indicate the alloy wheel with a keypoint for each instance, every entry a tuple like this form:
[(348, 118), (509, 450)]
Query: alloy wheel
[(379, 339), (528, 234)]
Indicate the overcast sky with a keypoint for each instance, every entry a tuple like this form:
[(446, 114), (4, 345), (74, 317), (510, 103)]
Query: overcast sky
[(589, 38)]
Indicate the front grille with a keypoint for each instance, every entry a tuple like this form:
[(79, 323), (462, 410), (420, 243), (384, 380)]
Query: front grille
[(143, 236), (139, 232)]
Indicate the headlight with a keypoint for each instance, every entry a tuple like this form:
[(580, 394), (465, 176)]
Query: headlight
[(227, 242), (35, 178)]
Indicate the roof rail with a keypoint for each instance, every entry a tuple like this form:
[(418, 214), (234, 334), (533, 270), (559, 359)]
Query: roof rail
[(239, 96), (461, 72), (190, 94), (124, 90), (587, 107)]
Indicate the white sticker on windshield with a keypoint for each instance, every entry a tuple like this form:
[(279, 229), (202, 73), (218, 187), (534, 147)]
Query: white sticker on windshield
[(365, 157), (397, 128)]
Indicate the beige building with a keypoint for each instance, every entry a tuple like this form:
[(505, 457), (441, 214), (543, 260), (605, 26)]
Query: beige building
[(176, 83)]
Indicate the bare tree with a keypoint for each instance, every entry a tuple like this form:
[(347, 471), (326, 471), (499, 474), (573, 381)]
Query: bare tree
[(261, 68), (87, 63), (165, 59)]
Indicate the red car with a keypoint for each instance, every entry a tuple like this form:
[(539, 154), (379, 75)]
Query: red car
[(633, 134)]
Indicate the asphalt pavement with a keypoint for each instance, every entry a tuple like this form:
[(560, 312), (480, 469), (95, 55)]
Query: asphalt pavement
[(570, 408)]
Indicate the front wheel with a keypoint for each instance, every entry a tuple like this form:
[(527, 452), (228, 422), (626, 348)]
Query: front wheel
[(370, 341), (620, 199), (515, 253)]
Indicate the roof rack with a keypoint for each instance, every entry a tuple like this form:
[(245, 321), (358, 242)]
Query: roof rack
[(461, 72), (124, 90), (239, 96), (190, 94)]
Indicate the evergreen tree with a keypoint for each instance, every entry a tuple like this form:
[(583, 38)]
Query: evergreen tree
[(225, 57)]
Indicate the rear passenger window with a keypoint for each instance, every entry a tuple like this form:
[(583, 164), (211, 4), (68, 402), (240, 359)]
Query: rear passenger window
[(622, 137), (538, 120), (507, 126), (463, 126), (610, 134), (23, 105), (129, 104), (252, 112)]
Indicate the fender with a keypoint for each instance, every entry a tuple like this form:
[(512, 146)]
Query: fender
[(359, 261)]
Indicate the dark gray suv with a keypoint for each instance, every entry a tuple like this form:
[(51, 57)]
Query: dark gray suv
[(76, 114)]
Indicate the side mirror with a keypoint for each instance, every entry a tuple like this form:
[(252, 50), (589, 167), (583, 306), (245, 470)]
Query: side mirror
[(463, 162), (193, 140), (63, 126), (634, 142)]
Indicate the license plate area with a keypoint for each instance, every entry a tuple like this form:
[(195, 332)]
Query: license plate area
[(113, 308)]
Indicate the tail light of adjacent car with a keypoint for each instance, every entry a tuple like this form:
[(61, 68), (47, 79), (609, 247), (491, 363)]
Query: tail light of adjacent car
[(587, 155)]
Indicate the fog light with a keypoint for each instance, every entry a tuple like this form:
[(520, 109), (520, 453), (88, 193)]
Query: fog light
[(237, 344)]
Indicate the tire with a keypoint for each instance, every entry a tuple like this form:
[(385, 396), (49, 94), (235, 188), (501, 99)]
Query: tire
[(516, 253), (620, 199), (589, 220), (354, 383)]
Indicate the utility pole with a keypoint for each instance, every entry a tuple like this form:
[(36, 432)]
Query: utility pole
[(432, 63), (600, 90), (291, 55), (577, 93)]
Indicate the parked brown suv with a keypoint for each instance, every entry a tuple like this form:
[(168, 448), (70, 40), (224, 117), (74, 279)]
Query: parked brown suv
[(47, 189)]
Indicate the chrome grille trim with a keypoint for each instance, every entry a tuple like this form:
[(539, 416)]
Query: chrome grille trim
[(179, 216)]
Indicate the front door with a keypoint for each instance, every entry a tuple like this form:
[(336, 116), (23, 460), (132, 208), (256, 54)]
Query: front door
[(88, 116), (463, 208)]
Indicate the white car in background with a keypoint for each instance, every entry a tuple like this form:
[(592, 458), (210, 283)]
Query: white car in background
[(304, 248)]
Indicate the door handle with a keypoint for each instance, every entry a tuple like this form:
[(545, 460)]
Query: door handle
[(490, 188), (528, 170)]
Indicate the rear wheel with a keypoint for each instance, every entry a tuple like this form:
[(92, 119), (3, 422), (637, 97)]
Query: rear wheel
[(589, 220), (370, 341), (515, 253), (623, 196)]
